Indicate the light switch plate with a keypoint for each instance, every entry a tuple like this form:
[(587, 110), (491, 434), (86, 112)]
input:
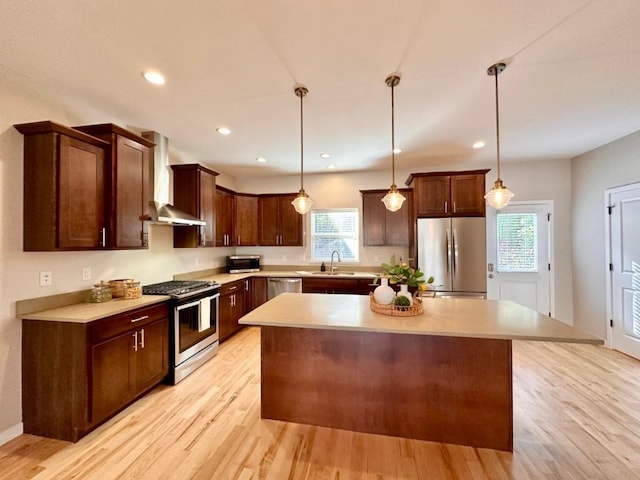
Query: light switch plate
[(86, 273)]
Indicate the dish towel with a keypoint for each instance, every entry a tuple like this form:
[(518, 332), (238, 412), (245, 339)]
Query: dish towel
[(204, 322)]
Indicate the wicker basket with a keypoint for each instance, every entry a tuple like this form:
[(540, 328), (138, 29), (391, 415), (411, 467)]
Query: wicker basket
[(395, 310)]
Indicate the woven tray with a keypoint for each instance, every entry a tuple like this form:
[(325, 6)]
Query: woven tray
[(396, 310)]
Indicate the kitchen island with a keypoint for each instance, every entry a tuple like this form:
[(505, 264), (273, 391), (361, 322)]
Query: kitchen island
[(443, 376)]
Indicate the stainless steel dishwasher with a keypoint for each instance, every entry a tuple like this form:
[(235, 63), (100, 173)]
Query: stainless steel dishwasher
[(278, 285)]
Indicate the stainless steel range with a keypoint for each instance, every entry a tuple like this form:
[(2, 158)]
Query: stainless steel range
[(193, 332)]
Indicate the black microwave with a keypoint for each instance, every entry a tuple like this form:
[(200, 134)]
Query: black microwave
[(243, 263)]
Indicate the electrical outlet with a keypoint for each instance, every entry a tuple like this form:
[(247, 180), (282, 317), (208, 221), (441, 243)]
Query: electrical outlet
[(197, 261), (46, 279), (284, 258), (376, 258), (86, 273), (302, 257)]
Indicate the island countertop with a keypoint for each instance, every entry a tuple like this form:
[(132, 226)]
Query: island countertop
[(460, 317)]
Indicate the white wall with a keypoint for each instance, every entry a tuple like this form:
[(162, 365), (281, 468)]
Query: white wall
[(612, 165)]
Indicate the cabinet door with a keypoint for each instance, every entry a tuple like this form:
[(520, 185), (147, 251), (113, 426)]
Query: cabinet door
[(131, 193), (269, 225), (194, 189), (81, 195), (207, 184), (152, 355), (432, 196), (399, 224), (258, 291), (225, 320), (246, 217), (224, 218), (467, 195), (373, 219), (290, 223), (113, 381)]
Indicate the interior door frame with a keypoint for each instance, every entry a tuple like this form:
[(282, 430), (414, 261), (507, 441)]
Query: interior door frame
[(491, 241), (608, 259)]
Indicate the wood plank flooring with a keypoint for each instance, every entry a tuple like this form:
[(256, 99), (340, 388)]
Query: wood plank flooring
[(576, 416)]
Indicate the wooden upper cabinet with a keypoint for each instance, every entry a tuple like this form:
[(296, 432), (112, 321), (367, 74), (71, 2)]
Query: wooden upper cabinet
[(246, 219), (224, 217), (129, 184), (449, 194), (64, 188), (380, 227), (280, 224), (194, 192)]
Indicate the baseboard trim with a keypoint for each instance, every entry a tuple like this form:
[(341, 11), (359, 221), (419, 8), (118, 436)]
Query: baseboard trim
[(11, 433)]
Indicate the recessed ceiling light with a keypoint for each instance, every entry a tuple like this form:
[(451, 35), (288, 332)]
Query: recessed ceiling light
[(397, 150), (261, 159), (331, 166), (153, 77), (223, 130), (478, 144), (325, 155)]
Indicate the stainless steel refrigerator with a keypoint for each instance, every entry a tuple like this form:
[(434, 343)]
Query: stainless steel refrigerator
[(453, 250)]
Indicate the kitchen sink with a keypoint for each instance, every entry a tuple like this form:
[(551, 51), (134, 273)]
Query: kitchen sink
[(333, 273)]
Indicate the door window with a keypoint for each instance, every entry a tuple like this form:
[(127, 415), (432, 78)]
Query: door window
[(517, 242)]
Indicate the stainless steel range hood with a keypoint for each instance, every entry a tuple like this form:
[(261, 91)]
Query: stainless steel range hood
[(162, 212)]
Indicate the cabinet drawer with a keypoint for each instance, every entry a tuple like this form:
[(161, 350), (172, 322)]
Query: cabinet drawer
[(109, 327), (232, 287)]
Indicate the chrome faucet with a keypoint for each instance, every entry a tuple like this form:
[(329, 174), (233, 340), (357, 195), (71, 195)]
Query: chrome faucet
[(331, 267)]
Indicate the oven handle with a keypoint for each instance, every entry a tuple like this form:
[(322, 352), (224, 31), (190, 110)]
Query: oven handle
[(197, 302)]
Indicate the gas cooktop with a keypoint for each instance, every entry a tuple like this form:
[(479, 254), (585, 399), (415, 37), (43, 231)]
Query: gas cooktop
[(177, 287)]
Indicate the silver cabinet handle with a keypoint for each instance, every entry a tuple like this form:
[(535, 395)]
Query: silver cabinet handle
[(103, 237), (454, 207), (446, 207), (139, 318), (238, 241), (142, 338), (135, 341)]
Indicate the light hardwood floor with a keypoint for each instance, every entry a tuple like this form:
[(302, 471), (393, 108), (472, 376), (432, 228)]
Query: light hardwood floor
[(576, 416)]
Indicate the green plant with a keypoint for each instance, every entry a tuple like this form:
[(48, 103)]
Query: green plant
[(402, 273)]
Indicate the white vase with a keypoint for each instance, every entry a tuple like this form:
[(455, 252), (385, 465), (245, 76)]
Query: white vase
[(404, 292), (383, 293)]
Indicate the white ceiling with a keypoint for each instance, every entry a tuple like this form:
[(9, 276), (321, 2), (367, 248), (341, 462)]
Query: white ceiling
[(571, 84)]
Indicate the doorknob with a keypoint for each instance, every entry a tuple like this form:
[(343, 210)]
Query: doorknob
[(491, 275)]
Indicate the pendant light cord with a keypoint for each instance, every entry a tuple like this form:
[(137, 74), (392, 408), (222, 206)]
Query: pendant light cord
[(393, 140), (497, 125), (302, 145)]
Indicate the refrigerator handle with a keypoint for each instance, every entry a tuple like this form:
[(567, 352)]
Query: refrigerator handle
[(448, 246), (454, 247)]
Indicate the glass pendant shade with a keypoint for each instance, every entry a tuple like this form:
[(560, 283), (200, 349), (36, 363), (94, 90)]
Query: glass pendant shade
[(302, 203), (393, 200), (499, 196)]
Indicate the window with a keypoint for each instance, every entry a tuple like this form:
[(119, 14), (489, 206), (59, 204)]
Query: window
[(517, 242), (335, 229)]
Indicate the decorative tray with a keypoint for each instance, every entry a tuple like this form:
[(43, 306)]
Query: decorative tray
[(396, 310)]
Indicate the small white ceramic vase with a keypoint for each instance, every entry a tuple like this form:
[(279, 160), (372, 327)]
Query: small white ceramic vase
[(383, 293), (404, 292)]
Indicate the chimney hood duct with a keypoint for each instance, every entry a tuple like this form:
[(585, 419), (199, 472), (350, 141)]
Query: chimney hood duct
[(162, 212)]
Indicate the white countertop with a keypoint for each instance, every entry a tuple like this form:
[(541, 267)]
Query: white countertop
[(460, 317), (88, 312)]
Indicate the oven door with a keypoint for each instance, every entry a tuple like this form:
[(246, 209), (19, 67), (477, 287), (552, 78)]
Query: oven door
[(195, 325)]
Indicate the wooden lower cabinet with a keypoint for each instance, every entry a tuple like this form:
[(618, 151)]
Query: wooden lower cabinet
[(258, 292), (232, 307), (349, 286), (77, 375)]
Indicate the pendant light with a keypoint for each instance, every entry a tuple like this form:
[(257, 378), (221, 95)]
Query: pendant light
[(394, 199), (499, 196), (302, 203)]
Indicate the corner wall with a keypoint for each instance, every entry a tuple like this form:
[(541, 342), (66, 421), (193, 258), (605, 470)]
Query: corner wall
[(612, 165)]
